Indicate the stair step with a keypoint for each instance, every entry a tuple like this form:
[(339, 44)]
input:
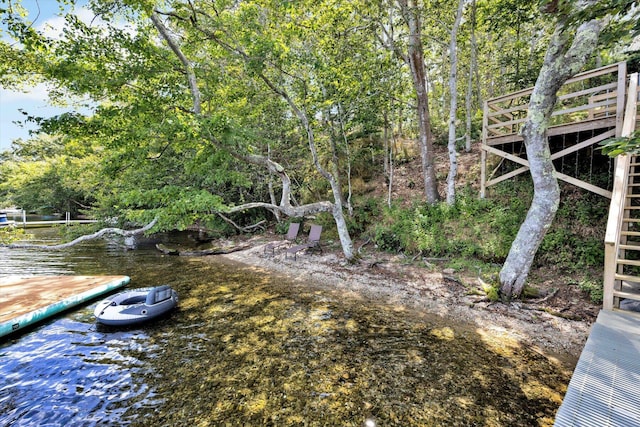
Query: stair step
[(628, 262), (627, 295), (627, 278), (631, 219), (630, 233), (629, 247), (632, 208)]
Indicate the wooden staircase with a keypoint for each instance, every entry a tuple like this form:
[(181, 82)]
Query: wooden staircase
[(622, 239)]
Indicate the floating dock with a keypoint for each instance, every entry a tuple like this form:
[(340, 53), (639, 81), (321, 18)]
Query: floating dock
[(605, 387), (25, 301)]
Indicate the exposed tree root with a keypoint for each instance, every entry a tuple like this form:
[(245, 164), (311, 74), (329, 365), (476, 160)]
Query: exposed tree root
[(96, 235)]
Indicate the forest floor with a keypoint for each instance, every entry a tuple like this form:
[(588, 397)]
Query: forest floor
[(557, 322)]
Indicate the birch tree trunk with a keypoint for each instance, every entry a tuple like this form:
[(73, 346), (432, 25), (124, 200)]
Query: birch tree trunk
[(565, 56), (415, 58), (453, 107)]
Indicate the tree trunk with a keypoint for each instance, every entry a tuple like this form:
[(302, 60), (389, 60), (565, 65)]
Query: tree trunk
[(415, 59), (564, 58), (472, 67), (453, 107), (97, 235), (467, 104), (341, 115), (285, 207)]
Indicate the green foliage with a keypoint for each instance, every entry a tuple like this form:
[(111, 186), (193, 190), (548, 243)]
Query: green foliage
[(623, 145), (46, 175), (492, 292), (367, 211), (143, 153), (175, 207), (481, 231), (575, 238), (11, 234), (593, 288), (472, 228)]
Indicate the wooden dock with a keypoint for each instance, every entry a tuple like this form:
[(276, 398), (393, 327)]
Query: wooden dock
[(28, 300), (605, 387)]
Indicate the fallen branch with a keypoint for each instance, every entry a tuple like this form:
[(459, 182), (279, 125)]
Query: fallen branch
[(363, 245), (546, 298), (246, 229), (96, 235), (200, 252)]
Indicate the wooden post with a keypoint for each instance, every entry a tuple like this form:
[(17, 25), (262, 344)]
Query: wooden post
[(483, 153), (612, 235), (620, 97)]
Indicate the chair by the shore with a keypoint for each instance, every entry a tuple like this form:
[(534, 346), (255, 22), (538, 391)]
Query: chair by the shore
[(289, 238), (312, 243)]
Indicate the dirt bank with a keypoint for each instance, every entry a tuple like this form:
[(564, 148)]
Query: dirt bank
[(557, 325)]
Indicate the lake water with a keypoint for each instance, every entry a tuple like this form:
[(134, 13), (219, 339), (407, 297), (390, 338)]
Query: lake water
[(246, 348)]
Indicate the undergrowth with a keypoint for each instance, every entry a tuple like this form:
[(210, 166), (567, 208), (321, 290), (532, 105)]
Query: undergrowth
[(480, 231)]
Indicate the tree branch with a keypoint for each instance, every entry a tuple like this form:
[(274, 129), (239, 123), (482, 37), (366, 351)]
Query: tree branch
[(96, 235), (191, 76), (246, 229)]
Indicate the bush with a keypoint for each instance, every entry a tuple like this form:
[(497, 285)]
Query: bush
[(471, 228), (593, 288)]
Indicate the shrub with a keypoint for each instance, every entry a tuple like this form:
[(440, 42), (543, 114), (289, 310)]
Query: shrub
[(593, 288), (471, 228)]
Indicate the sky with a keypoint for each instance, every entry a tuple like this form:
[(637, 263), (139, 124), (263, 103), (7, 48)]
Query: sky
[(34, 100)]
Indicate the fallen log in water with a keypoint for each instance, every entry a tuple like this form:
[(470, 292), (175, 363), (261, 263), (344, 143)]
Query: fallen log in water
[(200, 252)]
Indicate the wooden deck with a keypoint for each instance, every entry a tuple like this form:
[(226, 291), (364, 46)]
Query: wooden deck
[(605, 387), (28, 300), (590, 109)]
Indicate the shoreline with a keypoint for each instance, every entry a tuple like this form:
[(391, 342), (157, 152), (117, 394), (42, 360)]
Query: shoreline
[(426, 291)]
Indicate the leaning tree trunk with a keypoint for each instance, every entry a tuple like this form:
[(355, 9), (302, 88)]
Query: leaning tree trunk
[(415, 58), (564, 58), (336, 208)]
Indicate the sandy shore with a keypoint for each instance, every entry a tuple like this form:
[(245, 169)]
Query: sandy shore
[(392, 281)]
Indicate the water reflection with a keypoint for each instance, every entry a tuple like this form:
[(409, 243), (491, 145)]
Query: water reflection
[(248, 348)]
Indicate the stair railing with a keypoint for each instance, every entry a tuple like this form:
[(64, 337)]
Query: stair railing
[(618, 201)]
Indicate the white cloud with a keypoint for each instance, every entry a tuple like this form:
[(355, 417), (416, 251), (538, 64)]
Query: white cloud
[(54, 26), (39, 92)]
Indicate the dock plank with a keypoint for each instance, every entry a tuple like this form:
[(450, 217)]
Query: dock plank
[(28, 300)]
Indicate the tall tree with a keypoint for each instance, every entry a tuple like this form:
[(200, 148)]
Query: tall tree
[(414, 57), (473, 51), (578, 27), (453, 105)]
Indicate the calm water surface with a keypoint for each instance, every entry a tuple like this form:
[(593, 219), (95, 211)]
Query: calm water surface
[(249, 348)]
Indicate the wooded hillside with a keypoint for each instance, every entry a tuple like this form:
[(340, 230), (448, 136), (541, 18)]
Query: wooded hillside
[(228, 115)]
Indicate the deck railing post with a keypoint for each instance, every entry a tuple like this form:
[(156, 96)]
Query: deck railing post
[(620, 97), (483, 153), (612, 234)]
